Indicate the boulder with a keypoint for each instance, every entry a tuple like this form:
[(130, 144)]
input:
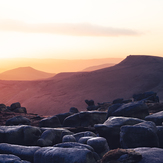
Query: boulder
[(51, 136), (91, 105), (160, 135), (21, 135), (83, 140), (110, 129), (20, 110), (118, 100), (50, 122), (2, 107), (133, 109), (104, 106), (99, 144), (150, 155), (15, 106), (151, 96), (68, 138), (157, 118), (121, 156), (73, 110), (18, 120), (31, 134), (8, 158), (140, 135), (155, 107), (83, 134), (62, 117), (23, 152), (64, 154), (85, 119)]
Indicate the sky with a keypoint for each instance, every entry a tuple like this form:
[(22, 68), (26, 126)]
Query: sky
[(80, 29)]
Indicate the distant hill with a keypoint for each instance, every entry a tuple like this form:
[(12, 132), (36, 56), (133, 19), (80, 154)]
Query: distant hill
[(93, 68), (54, 65), (24, 73), (135, 74)]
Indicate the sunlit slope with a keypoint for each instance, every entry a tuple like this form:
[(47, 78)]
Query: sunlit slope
[(24, 73), (135, 74)]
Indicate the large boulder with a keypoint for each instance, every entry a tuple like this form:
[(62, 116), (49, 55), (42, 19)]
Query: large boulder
[(140, 135), (66, 153), (21, 135), (157, 118), (150, 155), (51, 136), (133, 109), (148, 96), (24, 152), (18, 120), (9, 158), (110, 129), (50, 122), (85, 119)]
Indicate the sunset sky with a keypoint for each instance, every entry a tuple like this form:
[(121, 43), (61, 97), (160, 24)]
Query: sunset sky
[(80, 29)]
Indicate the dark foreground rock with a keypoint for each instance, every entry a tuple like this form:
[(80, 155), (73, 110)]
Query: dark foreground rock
[(140, 135), (110, 129), (75, 153), (21, 135), (23, 152), (8, 158)]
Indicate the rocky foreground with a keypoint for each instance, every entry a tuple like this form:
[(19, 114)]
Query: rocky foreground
[(121, 131)]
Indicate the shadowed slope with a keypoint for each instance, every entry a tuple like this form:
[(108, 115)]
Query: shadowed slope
[(93, 68), (135, 74), (24, 73)]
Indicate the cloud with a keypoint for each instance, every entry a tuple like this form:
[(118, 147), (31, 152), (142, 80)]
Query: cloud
[(81, 29)]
